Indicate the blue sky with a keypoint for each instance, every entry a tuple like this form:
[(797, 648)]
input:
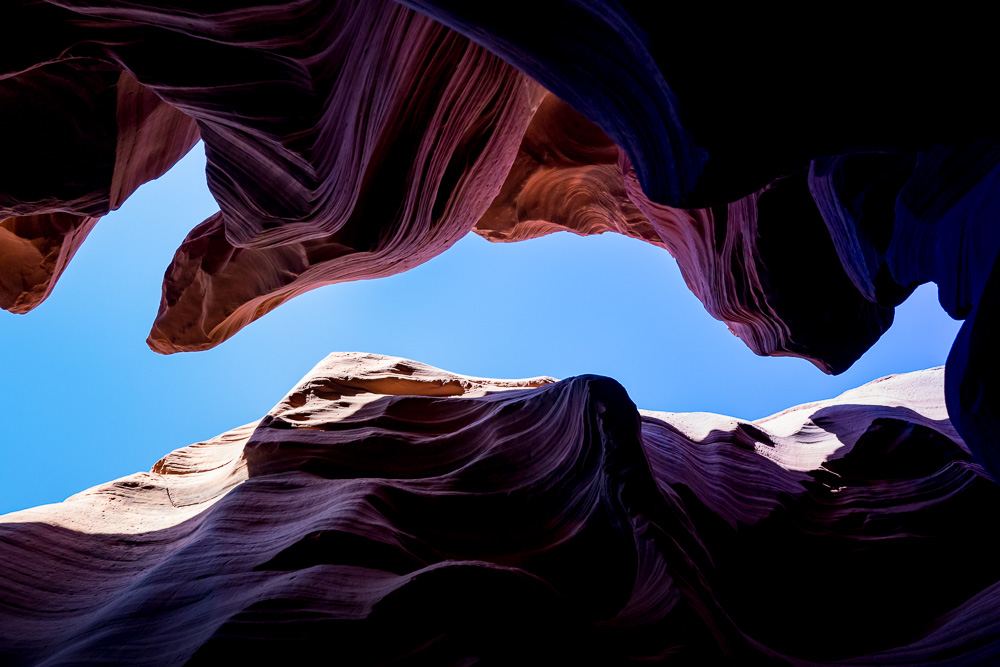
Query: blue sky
[(84, 401)]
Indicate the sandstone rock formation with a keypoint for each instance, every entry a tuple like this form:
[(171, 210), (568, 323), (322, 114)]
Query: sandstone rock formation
[(566, 177), (387, 510), (350, 140), (743, 260), (897, 143), (404, 189), (82, 137), (353, 140), (344, 141), (706, 130)]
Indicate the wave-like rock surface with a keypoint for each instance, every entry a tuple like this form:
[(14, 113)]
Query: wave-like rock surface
[(701, 134), (566, 177), (899, 154), (351, 140), (426, 145), (393, 511), (356, 140), (811, 265), (344, 141), (745, 260)]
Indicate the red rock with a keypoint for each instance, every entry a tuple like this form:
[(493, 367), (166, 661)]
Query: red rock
[(140, 136), (566, 177), (387, 510), (408, 183), (744, 261), (822, 201)]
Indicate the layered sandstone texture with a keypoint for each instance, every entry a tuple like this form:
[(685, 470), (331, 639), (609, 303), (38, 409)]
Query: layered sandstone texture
[(387, 511), (805, 181), (351, 140), (344, 141)]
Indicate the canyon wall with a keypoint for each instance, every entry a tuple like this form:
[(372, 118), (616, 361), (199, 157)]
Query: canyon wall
[(355, 140), (805, 180), (387, 511)]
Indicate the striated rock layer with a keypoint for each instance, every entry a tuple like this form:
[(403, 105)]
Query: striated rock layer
[(804, 188), (350, 140), (703, 131), (418, 131), (810, 265), (760, 264), (385, 511), (345, 140)]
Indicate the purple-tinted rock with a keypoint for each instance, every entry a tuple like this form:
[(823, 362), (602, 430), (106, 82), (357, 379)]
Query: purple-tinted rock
[(387, 511)]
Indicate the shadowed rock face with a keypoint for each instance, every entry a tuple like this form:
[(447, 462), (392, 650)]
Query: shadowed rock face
[(812, 264), (773, 99), (743, 260), (354, 140), (899, 145), (351, 140), (410, 183), (82, 137), (401, 512), (344, 141)]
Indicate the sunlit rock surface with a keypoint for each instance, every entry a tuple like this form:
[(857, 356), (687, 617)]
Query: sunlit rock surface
[(395, 511), (344, 141), (352, 140), (566, 177), (804, 187), (760, 264)]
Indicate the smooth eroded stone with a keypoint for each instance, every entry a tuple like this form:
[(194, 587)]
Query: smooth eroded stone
[(411, 159), (712, 106), (764, 265), (391, 511), (565, 178)]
